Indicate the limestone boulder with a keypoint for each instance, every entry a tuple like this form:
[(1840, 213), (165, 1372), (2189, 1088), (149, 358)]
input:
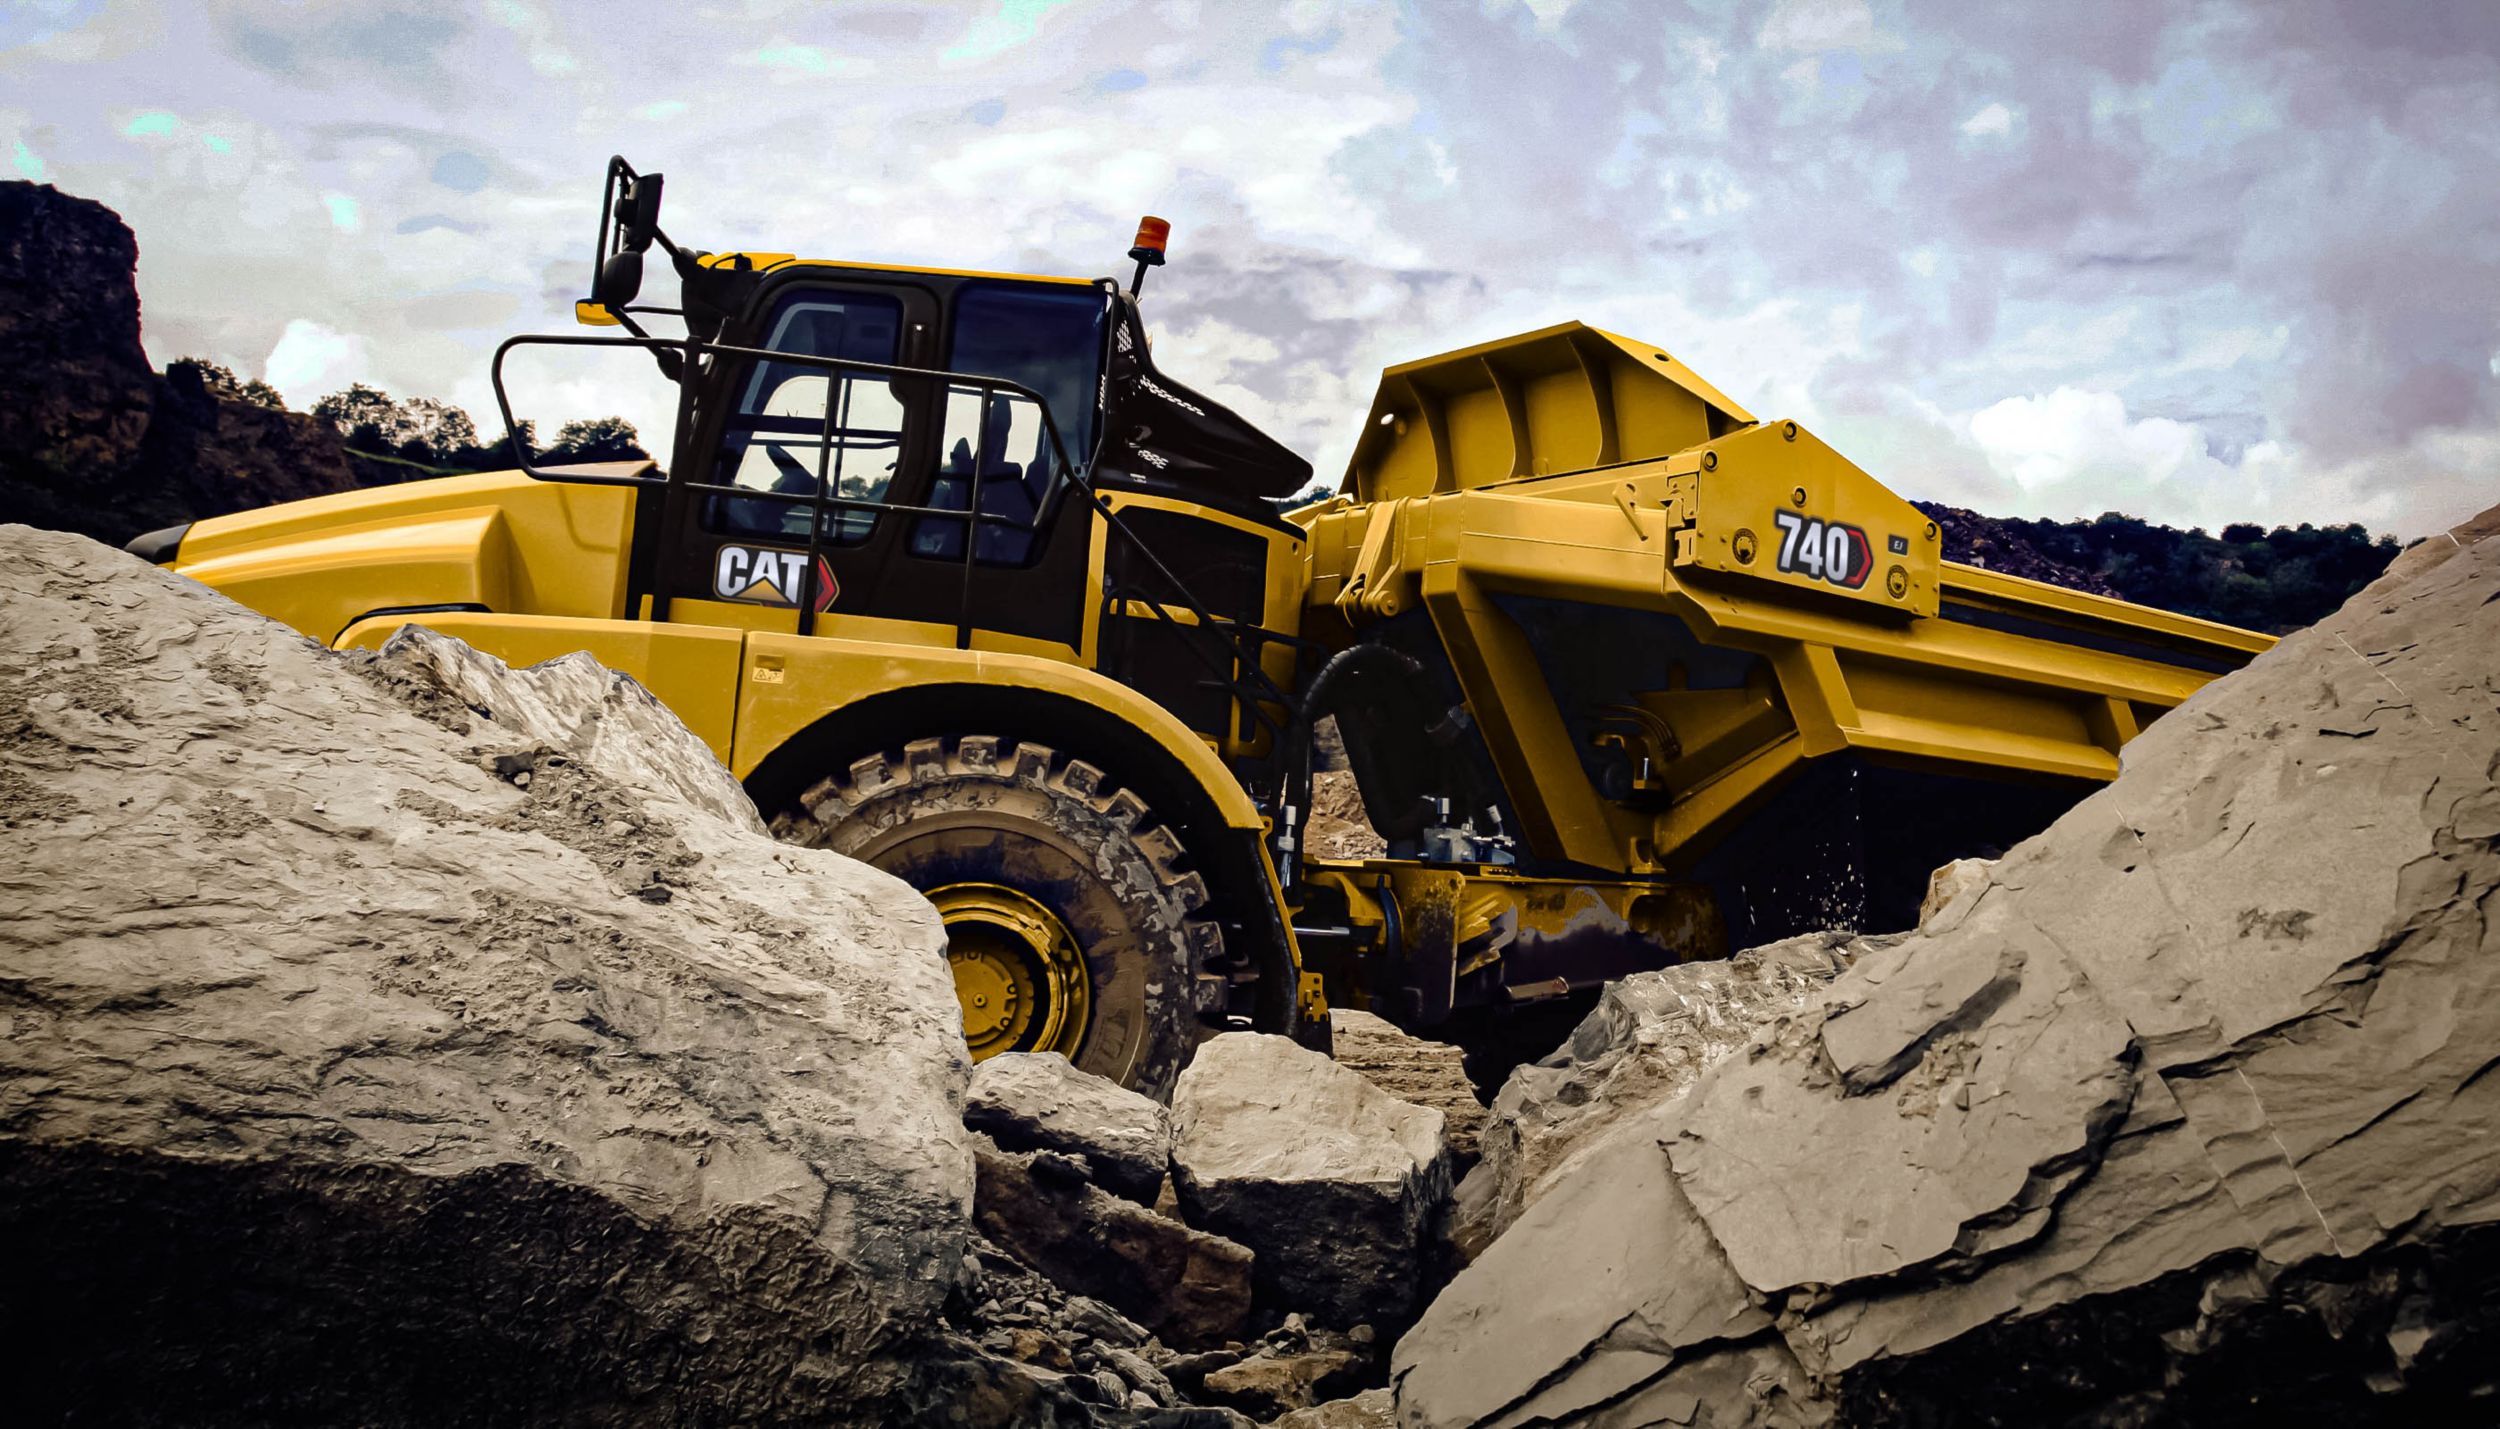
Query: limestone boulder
[(1337, 1187), (2187, 1115), (413, 1040), (1188, 1287), (1649, 1038), (1412, 1069), (1039, 1101)]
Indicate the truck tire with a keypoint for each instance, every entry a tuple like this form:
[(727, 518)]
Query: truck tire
[(1073, 924)]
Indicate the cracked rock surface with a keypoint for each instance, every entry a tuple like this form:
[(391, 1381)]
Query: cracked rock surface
[(2188, 1112), (1649, 1038), (1190, 1288), (418, 1041)]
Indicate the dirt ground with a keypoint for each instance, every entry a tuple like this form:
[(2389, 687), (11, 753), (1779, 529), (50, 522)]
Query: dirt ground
[(1338, 827)]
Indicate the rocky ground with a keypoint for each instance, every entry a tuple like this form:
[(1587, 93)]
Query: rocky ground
[(404, 1039)]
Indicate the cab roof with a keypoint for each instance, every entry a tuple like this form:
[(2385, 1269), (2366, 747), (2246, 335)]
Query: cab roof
[(771, 262)]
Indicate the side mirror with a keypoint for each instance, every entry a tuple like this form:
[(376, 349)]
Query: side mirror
[(638, 213), (618, 279)]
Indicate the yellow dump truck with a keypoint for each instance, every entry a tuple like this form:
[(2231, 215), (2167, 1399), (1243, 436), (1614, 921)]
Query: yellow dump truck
[(959, 583)]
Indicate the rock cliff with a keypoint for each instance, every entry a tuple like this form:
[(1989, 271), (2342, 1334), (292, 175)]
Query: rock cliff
[(91, 438)]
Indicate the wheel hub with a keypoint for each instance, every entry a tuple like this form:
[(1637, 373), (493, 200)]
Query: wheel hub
[(1018, 972)]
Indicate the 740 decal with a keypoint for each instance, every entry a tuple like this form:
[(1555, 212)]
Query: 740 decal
[(1823, 550)]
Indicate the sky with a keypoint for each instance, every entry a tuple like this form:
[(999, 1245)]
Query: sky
[(2201, 263)]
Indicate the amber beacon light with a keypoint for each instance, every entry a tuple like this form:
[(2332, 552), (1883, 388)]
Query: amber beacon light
[(1153, 235)]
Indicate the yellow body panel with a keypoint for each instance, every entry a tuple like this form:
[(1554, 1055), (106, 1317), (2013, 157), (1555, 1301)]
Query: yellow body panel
[(767, 262), (500, 540), (1563, 399), (547, 560)]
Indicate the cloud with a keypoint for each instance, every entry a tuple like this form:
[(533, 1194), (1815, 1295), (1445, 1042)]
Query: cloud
[(1816, 26), (1994, 119), (460, 171), (805, 60), (2225, 261), (1008, 24), (310, 361)]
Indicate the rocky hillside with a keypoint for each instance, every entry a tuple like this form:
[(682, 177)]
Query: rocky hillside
[(92, 439), (2276, 581)]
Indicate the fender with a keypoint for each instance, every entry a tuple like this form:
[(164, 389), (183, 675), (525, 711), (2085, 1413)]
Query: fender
[(793, 681), (749, 693)]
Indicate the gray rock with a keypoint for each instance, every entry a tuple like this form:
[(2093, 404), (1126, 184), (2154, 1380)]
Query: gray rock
[(1188, 1287), (1412, 1069), (1336, 1185), (2186, 1115), (1037, 1101), (1648, 1039), (344, 1079), (1951, 882), (1372, 1409), (1141, 1375), (1269, 1384)]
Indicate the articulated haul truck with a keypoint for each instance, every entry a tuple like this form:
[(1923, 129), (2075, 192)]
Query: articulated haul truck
[(958, 582)]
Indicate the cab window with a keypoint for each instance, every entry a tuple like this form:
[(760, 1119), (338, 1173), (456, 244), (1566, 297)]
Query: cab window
[(1048, 339), (797, 426)]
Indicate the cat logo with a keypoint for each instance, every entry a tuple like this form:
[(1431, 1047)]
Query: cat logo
[(761, 575)]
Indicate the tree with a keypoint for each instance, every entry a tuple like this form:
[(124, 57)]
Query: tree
[(597, 439), (358, 408), (219, 381), (436, 433)]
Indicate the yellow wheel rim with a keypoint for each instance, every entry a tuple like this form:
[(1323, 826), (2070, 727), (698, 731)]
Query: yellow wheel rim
[(1018, 972)]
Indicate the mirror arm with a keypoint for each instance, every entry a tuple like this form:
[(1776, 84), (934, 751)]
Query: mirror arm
[(672, 366)]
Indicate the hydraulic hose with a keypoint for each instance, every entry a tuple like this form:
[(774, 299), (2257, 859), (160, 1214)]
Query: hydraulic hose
[(1317, 701)]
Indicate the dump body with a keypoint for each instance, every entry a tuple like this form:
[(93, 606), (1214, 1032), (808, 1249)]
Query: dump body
[(1716, 683)]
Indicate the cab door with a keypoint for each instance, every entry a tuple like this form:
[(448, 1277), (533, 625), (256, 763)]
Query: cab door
[(785, 430), (1018, 575)]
